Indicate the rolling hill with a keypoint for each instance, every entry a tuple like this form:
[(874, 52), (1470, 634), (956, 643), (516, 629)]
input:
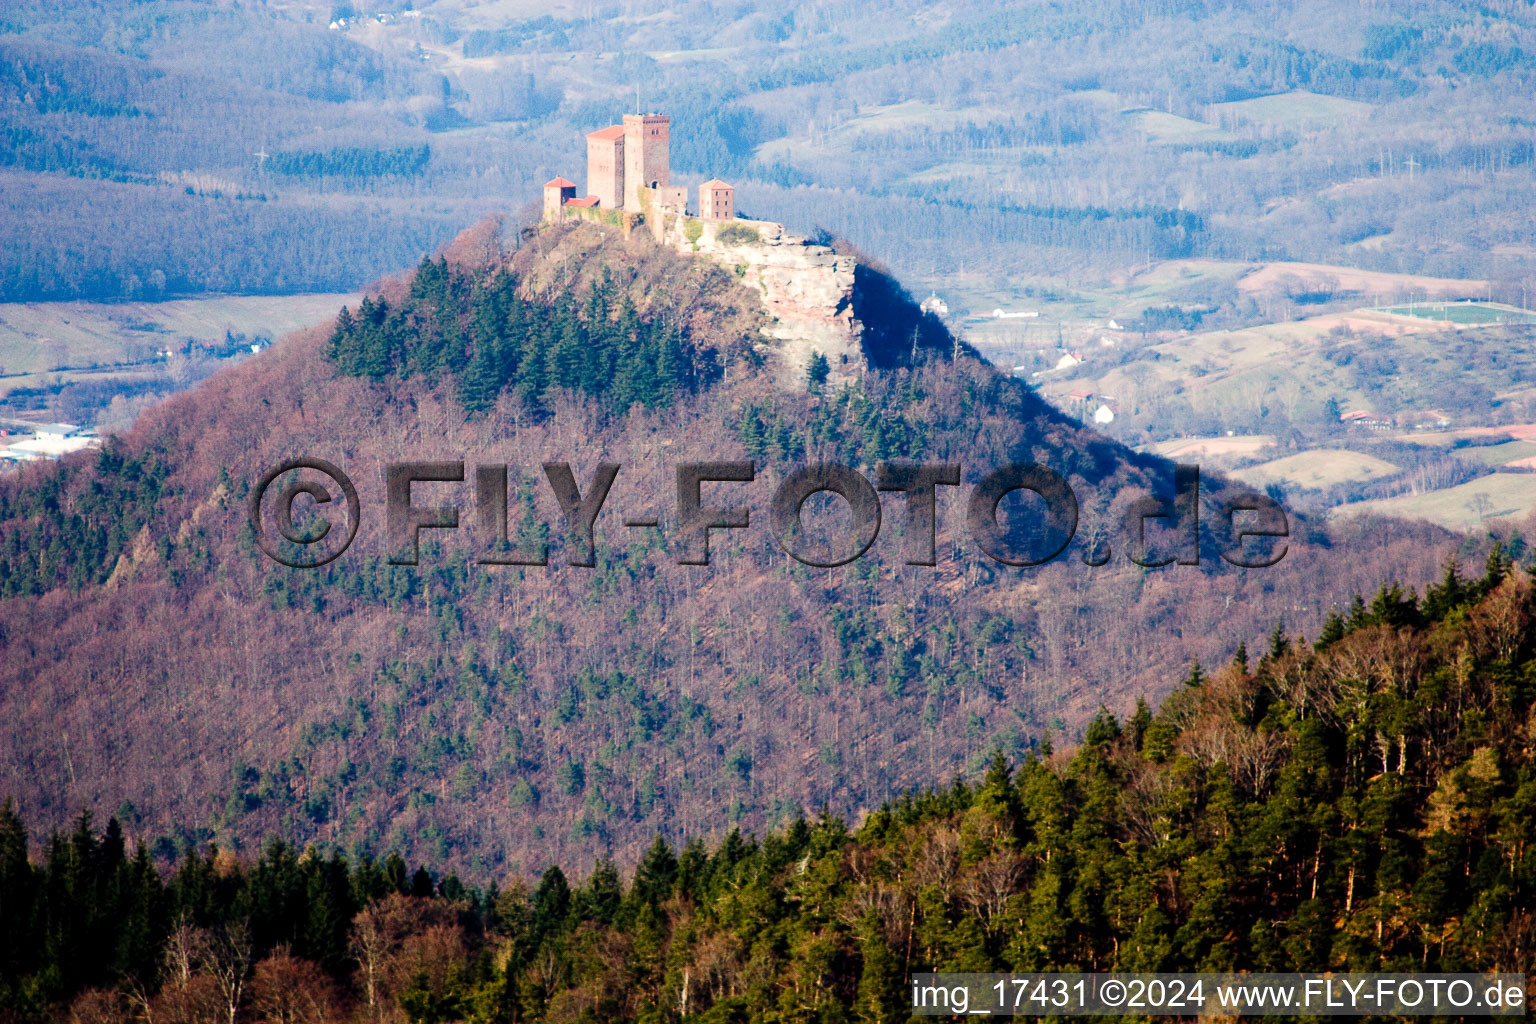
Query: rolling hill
[(498, 718)]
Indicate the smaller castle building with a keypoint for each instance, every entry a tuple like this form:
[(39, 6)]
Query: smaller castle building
[(557, 193), (717, 200)]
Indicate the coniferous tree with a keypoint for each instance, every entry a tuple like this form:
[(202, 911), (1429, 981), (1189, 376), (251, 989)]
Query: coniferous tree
[(816, 373), (1333, 629)]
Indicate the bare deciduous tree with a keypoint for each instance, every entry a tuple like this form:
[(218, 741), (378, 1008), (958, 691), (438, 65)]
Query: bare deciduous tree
[(989, 887), (287, 990)]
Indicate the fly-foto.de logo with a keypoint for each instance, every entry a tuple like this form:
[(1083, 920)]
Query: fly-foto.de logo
[(306, 512)]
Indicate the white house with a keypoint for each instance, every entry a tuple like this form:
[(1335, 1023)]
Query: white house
[(49, 446), (56, 431)]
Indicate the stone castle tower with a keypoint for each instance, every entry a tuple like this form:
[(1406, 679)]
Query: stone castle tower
[(605, 166), (647, 156)]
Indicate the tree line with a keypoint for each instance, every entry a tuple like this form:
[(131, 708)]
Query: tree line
[(491, 338), (352, 161)]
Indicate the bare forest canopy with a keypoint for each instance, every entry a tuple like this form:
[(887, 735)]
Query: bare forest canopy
[(176, 148)]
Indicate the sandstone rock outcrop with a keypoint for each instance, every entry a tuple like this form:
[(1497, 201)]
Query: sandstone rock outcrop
[(806, 287)]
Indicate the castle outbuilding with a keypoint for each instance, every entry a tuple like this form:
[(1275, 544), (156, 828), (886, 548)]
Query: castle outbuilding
[(717, 200), (556, 194)]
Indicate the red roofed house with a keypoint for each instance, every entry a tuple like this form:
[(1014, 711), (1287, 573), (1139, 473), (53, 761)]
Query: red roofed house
[(717, 200), (556, 194)]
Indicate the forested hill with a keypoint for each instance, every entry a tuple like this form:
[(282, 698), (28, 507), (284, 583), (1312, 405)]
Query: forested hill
[(496, 718), (1363, 803)]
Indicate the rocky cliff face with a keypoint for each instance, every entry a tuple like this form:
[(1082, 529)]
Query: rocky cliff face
[(807, 288)]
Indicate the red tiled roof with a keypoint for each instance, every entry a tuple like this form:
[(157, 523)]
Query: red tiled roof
[(559, 183), (608, 134), (1080, 394), (715, 183), (583, 201)]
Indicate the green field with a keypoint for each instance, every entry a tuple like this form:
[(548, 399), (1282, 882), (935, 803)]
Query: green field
[(1464, 507), (1319, 468), (1499, 454), (1470, 313), (717, 53), (841, 141), (1084, 303), (1290, 109), (1171, 128), (43, 337)]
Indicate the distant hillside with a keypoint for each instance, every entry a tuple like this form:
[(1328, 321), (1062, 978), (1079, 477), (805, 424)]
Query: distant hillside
[(499, 719), (165, 147)]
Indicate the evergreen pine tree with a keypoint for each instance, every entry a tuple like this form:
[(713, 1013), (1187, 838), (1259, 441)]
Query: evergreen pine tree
[(816, 373), (1357, 618), (1441, 598), (1495, 568), (656, 874), (603, 893), (880, 991), (1278, 643), (1333, 629), (1140, 722), (18, 894), (394, 872), (551, 903)]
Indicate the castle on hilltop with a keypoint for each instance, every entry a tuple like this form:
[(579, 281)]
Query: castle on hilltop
[(629, 170), (806, 287)]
